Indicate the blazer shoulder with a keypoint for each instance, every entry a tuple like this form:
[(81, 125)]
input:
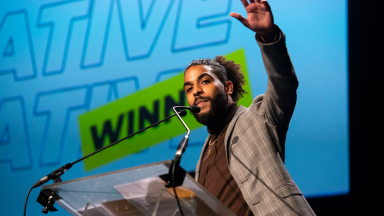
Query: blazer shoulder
[(256, 105)]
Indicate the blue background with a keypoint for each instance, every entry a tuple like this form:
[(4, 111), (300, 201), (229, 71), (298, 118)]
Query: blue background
[(59, 59)]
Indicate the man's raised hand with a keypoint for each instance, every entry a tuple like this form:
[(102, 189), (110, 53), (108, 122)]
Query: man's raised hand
[(259, 18)]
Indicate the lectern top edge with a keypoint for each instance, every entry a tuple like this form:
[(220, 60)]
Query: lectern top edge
[(166, 163)]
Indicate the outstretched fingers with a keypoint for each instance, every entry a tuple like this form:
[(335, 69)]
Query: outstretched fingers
[(263, 1), (240, 18), (245, 3)]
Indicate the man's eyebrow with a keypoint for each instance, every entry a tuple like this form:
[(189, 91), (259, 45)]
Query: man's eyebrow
[(203, 75), (198, 78), (187, 83)]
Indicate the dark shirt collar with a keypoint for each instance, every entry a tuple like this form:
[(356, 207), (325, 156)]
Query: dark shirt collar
[(217, 129)]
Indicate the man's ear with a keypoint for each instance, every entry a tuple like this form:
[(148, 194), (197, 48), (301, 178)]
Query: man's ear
[(228, 87)]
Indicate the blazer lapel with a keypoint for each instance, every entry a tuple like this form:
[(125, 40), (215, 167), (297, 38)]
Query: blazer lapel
[(240, 110)]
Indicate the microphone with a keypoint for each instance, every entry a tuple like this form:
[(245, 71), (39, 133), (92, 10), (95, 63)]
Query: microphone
[(182, 113), (53, 175), (184, 142), (194, 109)]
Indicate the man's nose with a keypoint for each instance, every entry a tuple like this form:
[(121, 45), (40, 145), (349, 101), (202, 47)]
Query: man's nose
[(197, 91)]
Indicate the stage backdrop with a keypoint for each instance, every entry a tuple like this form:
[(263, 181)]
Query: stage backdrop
[(78, 75)]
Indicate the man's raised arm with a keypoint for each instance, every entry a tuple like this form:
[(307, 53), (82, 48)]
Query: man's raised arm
[(279, 100)]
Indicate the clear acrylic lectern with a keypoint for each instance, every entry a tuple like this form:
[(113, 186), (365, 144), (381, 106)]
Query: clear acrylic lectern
[(137, 191)]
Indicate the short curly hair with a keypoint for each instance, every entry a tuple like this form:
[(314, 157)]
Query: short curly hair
[(225, 70)]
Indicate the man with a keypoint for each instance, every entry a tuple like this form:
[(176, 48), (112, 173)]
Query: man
[(242, 160)]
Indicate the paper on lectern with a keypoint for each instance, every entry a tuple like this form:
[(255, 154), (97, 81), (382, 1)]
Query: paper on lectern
[(140, 188)]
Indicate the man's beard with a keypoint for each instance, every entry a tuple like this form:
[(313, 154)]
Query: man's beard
[(216, 113)]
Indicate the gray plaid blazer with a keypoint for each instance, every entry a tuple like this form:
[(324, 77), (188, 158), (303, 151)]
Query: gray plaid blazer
[(255, 140)]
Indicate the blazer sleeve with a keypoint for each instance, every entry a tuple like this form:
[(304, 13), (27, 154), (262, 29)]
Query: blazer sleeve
[(279, 101)]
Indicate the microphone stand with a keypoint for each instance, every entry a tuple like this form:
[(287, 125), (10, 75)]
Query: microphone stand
[(55, 175), (176, 174), (184, 142)]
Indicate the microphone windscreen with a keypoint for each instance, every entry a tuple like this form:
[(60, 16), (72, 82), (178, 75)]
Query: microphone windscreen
[(182, 113), (195, 109)]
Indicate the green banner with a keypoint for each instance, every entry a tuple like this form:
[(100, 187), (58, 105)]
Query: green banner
[(120, 118)]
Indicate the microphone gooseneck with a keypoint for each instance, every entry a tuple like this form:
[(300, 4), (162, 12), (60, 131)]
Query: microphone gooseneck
[(184, 142), (66, 167)]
